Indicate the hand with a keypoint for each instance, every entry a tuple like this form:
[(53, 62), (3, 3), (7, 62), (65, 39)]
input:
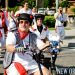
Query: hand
[(20, 49), (47, 43), (46, 46)]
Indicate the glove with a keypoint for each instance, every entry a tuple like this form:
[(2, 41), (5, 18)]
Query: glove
[(20, 49)]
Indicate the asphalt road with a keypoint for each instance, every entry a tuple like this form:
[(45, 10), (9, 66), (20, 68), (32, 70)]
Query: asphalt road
[(66, 59), (67, 54)]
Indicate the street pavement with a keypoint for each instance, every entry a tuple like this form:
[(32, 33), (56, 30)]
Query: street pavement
[(65, 63), (67, 54)]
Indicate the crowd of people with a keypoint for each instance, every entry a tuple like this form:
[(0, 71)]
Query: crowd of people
[(25, 33)]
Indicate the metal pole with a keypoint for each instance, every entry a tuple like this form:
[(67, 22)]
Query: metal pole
[(37, 5), (57, 4), (6, 4)]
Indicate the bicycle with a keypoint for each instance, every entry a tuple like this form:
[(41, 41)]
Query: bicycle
[(49, 62)]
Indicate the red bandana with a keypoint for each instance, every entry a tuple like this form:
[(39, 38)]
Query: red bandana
[(23, 34), (0, 34)]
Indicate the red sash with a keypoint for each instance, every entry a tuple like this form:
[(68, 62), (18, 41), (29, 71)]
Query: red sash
[(0, 34), (20, 68), (3, 21)]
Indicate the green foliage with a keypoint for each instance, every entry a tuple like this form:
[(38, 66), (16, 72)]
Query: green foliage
[(31, 3), (48, 3), (45, 3), (49, 21), (21, 3), (73, 10), (14, 9), (64, 3)]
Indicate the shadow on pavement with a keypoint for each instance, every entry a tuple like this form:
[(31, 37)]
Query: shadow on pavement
[(69, 37), (71, 45)]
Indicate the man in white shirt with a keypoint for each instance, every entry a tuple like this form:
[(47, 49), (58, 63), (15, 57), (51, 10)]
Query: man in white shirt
[(25, 9), (59, 24), (34, 11)]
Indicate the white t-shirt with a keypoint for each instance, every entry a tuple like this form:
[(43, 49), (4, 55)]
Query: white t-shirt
[(59, 18), (23, 11), (17, 12), (10, 39), (43, 34)]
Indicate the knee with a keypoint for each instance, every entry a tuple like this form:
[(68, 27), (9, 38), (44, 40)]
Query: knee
[(46, 71)]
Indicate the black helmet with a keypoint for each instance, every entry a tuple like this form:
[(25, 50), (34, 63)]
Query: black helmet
[(39, 16), (25, 16)]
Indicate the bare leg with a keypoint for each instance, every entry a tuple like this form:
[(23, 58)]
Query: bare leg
[(44, 70)]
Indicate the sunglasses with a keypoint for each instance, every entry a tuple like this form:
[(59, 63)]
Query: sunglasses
[(25, 22)]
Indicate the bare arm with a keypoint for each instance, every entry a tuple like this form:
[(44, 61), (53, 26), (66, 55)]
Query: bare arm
[(10, 42), (10, 48), (41, 44), (56, 15)]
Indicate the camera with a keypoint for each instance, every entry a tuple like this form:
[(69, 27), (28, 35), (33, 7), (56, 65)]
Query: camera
[(62, 21)]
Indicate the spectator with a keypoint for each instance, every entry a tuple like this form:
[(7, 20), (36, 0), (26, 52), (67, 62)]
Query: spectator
[(59, 24), (25, 9), (34, 11)]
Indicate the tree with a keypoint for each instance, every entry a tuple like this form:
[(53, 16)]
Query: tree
[(64, 4), (49, 3), (73, 10), (2, 3), (45, 3), (31, 3)]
